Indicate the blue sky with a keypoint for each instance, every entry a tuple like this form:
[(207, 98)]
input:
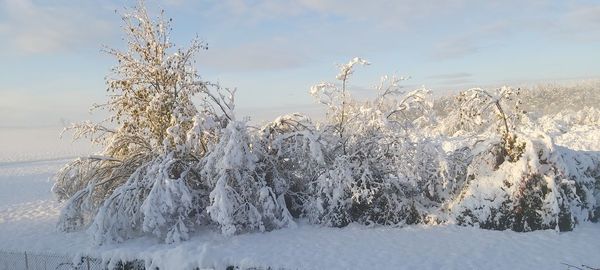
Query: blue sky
[(273, 51)]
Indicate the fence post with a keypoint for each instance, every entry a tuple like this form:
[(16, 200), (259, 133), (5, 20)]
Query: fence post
[(87, 259), (26, 262)]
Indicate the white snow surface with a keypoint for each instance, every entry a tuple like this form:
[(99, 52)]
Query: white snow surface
[(29, 213)]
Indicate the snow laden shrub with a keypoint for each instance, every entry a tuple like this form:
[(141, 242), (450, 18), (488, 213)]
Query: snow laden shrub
[(477, 108), (548, 187), (293, 151), (377, 169), (511, 184), (241, 200), (166, 166), (517, 178)]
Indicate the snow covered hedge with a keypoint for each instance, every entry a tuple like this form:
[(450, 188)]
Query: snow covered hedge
[(175, 158)]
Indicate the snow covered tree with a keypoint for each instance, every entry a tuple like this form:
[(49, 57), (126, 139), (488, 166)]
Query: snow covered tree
[(147, 179)]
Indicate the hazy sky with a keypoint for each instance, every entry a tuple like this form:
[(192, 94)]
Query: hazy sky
[(272, 51)]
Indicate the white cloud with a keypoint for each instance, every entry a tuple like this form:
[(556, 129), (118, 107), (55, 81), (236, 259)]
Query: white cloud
[(587, 16), (256, 56), (385, 13), (538, 17), (450, 76), (455, 48), (35, 28), (458, 46), (393, 14), (581, 22)]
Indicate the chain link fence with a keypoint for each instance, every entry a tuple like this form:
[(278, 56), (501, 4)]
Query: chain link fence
[(13, 260)]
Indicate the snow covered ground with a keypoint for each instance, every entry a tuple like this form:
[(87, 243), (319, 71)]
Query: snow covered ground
[(28, 214)]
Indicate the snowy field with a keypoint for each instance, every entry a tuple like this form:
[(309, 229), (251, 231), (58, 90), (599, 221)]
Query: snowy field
[(28, 216)]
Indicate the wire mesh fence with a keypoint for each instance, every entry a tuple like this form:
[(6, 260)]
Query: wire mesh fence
[(13, 260)]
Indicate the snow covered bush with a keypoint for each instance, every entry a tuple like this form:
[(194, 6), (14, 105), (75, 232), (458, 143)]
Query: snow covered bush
[(380, 168), (549, 187), (518, 178), (293, 151), (242, 199), (478, 107)]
